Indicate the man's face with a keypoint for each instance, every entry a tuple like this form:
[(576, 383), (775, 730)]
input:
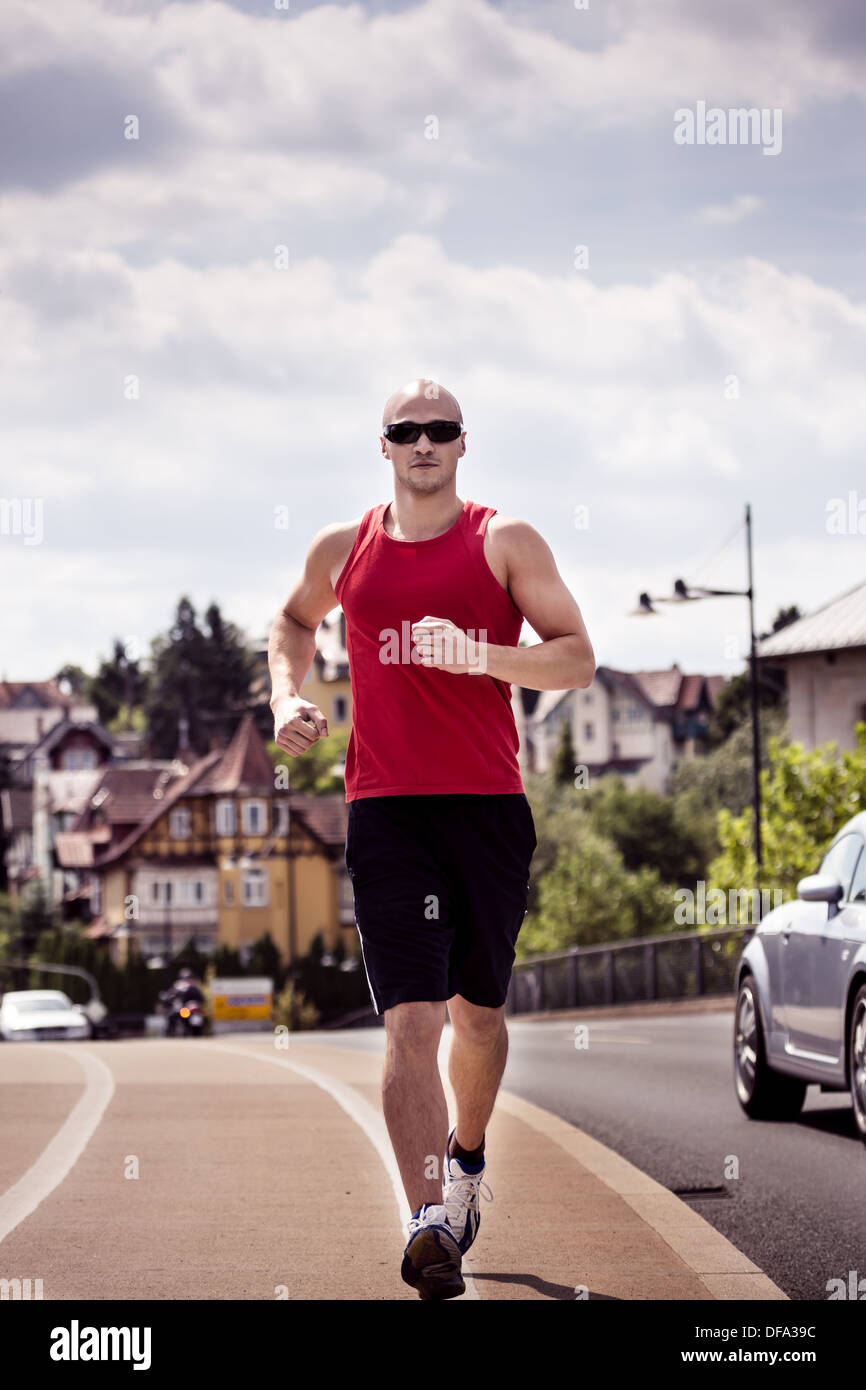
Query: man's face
[(424, 466)]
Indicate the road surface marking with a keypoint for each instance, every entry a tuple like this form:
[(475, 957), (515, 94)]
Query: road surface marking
[(370, 1120), (60, 1155)]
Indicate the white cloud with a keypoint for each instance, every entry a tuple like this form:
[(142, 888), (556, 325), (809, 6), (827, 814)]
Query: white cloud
[(727, 214), (262, 387)]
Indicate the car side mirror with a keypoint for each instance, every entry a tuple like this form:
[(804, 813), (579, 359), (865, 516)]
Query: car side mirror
[(821, 888)]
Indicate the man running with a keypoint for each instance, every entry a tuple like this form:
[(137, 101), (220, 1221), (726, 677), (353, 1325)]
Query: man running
[(440, 833)]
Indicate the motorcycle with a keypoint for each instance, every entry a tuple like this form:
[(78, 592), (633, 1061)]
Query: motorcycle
[(185, 1014), (188, 1017)]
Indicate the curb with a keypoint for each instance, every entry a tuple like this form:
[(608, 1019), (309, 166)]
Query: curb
[(646, 1008), (724, 1270)]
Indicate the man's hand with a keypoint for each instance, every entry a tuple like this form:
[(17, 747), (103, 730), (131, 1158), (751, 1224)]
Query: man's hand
[(298, 724), (445, 646)]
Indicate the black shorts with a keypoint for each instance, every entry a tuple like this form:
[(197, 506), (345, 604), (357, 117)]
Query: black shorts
[(440, 886)]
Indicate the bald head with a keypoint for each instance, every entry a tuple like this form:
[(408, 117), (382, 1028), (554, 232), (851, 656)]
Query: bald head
[(422, 391)]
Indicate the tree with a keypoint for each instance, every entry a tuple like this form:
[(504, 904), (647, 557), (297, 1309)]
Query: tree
[(34, 916), (312, 773), (227, 963), (118, 688), (580, 891), (647, 829), (589, 897), (75, 677), (805, 798), (265, 959), (564, 758), (203, 677), (190, 956), (723, 778), (734, 704), (6, 781)]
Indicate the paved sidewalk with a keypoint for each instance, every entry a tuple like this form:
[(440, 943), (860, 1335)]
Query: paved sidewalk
[(569, 1217), (264, 1173)]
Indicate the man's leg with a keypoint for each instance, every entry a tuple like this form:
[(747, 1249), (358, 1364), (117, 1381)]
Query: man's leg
[(479, 1050), (413, 1100)]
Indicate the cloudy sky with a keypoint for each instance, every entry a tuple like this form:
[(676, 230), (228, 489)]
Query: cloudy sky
[(638, 319)]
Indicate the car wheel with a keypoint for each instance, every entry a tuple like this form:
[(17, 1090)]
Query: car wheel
[(764, 1094), (857, 1061)]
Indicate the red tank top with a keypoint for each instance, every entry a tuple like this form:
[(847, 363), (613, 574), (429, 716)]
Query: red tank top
[(417, 730)]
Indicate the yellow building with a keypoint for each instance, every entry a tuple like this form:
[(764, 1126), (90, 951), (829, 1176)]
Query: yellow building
[(223, 855), (327, 683)]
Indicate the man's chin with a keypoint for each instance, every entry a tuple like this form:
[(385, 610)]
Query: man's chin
[(426, 479)]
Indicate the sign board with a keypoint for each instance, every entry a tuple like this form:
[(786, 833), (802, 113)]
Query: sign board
[(242, 997)]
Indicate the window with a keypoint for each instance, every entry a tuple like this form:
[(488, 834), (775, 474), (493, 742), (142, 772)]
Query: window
[(858, 882), (179, 825), (281, 817), (190, 892), (154, 891), (255, 890), (228, 893), (588, 731), (78, 759), (339, 709), (840, 860), (225, 818), (254, 817)]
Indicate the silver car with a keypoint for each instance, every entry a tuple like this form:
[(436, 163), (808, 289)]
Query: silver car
[(28, 1015), (801, 990)]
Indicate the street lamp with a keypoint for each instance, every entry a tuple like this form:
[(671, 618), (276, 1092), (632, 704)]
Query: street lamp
[(686, 593)]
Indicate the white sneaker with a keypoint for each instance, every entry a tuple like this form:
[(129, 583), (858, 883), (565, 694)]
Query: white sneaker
[(431, 1260), (460, 1189)]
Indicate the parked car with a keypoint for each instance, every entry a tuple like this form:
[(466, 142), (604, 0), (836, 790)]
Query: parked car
[(29, 1015), (800, 1016)]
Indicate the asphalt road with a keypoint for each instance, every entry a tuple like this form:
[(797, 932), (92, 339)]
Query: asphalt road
[(226, 1149), (659, 1091)]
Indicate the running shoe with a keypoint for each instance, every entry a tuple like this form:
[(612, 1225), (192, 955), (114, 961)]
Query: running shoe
[(431, 1260)]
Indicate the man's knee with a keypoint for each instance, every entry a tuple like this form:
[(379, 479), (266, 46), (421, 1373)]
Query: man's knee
[(475, 1023), (416, 1024)]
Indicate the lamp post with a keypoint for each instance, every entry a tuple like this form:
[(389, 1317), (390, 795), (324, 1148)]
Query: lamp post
[(684, 593)]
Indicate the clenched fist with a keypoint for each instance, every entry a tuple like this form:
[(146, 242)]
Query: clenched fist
[(298, 724)]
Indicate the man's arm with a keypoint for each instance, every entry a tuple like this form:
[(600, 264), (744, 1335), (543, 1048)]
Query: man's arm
[(292, 645), (564, 658)]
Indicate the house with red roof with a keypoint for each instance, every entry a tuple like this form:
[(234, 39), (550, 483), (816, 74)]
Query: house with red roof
[(638, 724), (220, 850)]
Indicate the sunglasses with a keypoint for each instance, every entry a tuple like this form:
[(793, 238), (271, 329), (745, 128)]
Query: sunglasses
[(437, 431)]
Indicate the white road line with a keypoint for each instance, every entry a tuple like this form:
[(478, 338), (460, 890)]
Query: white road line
[(606, 1038), (370, 1120), (59, 1156)]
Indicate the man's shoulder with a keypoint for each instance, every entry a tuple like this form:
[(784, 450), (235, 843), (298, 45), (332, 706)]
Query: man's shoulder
[(337, 538), (335, 542), (337, 531), (511, 531)]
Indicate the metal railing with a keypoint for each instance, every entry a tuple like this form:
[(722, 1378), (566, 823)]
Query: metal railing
[(679, 965)]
